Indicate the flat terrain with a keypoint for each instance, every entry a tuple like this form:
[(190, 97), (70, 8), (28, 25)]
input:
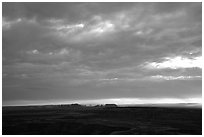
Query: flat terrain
[(66, 120)]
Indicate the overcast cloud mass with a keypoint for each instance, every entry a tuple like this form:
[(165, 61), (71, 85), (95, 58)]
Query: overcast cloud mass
[(88, 51)]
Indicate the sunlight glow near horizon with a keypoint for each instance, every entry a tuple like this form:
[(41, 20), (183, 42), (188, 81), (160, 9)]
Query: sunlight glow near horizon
[(118, 101), (124, 101)]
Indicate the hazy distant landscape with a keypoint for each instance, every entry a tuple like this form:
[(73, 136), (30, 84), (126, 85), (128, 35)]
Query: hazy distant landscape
[(101, 120)]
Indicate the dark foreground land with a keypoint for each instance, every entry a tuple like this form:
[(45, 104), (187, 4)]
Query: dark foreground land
[(66, 120)]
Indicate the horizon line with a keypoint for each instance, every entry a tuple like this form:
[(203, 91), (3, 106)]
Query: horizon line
[(117, 101), (119, 105)]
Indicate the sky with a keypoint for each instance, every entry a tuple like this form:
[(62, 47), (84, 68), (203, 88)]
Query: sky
[(101, 52)]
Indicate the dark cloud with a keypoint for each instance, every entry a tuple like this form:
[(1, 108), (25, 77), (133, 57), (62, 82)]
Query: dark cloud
[(100, 50), (39, 10)]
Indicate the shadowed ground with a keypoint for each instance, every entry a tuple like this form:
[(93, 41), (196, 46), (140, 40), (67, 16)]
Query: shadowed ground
[(67, 120)]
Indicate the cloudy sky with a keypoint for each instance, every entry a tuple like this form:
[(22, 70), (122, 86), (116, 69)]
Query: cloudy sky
[(122, 52)]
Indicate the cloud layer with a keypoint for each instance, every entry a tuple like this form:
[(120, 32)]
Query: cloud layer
[(101, 50)]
